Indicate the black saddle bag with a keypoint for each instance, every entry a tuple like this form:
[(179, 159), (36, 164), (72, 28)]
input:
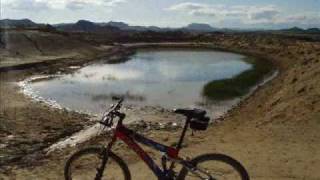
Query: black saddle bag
[(200, 124)]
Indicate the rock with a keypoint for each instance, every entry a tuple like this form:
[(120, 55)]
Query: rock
[(294, 80), (162, 125), (143, 124), (165, 139), (301, 90)]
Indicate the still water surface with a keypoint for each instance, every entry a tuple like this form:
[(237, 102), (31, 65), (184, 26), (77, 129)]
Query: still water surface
[(167, 78)]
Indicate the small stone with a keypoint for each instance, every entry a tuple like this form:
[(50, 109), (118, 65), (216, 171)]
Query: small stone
[(165, 139), (301, 90), (294, 80)]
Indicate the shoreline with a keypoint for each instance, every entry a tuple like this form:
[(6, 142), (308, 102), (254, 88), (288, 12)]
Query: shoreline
[(92, 131), (23, 84)]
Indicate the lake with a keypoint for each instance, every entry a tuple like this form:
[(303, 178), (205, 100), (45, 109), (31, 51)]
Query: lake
[(169, 78)]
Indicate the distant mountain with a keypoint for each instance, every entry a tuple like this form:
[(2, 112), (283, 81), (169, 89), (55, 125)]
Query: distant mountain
[(120, 25), (127, 27), (86, 26), (313, 30), (83, 25), (23, 23), (191, 27), (198, 27), (113, 26), (149, 28), (301, 31), (294, 30)]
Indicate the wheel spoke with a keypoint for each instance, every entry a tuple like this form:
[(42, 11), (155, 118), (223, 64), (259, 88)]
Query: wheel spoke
[(215, 166), (86, 165)]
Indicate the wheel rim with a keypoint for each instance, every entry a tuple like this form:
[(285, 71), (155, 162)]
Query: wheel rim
[(217, 171)]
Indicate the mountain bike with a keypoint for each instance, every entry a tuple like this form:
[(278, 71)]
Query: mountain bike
[(98, 163)]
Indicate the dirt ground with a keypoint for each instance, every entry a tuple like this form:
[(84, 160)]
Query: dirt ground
[(274, 133)]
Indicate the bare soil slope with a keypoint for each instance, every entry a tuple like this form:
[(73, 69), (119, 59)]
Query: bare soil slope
[(27, 46)]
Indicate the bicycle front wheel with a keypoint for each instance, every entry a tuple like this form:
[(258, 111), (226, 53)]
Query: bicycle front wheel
[(83, 165), (214, 167)]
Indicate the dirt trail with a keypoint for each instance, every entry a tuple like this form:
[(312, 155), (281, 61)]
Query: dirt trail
[(274, 133)]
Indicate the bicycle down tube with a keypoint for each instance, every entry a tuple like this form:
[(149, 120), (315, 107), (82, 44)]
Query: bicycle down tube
[(129, 137)]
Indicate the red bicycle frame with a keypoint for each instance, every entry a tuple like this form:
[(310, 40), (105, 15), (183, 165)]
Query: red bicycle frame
[(129, 137)]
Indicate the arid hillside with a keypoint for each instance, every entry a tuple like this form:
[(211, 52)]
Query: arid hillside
[(27, 46)]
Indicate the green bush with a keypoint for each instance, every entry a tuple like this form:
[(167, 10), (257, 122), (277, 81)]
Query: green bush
[(238, 85)]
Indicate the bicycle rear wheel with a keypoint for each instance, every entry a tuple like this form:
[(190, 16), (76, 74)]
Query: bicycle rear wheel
[(215, 167), (83, 165)]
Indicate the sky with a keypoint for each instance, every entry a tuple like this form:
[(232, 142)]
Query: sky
[(261, 14)]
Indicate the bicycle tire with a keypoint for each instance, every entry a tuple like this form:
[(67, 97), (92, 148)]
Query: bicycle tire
[(97, 151), (217, 157)]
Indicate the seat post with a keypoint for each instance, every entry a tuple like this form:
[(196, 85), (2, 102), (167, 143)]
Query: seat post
[(179, 145), (183, 133)]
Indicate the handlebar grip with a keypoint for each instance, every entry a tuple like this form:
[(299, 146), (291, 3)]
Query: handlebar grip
[(121, 100), (118, 105)]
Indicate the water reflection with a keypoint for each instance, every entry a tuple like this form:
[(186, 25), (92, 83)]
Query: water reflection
[(114, 96), (168, 78)]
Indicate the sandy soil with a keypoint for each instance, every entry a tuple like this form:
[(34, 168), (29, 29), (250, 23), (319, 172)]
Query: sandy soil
[(274, 133)]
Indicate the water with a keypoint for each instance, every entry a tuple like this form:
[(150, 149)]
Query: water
[(167, 78)]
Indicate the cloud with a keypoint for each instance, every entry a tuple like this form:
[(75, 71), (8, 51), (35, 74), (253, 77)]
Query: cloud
[(303, 20), (265, 15), (311, 18), (112, 3), (194, 9), (58, 4), (245, 14), (25, 4), (187, 6), (80, 4), (75, 5)]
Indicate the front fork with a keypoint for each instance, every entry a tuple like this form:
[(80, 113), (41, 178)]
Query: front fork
[(105, 156)]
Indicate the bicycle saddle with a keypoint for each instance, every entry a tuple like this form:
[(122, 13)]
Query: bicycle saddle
[(191, 113)]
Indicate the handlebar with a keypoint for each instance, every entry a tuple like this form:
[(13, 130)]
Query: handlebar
[(119, 104), (108, 116)]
